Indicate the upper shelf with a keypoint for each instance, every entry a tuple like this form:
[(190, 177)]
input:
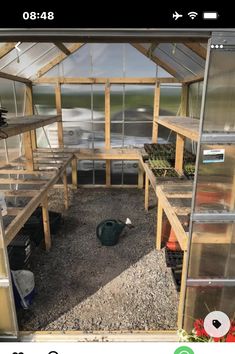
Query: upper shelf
[(185, 126), (25, 123)]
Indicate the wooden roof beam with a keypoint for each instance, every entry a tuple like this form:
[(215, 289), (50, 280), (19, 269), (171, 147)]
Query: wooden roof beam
[(15, 78), (156, 60), (7, 48), (105, 80), (58, 59), (62, 47), (198, 49), (151, 49), (193, 79)]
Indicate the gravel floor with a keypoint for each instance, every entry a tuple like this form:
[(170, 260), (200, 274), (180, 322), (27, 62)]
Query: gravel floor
[(82, 285)]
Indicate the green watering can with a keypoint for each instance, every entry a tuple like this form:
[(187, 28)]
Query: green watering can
[(108, 231)]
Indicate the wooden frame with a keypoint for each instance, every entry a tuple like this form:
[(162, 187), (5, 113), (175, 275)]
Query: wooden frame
[(15, 78), (107, 133), (105, 80), (184, 127), (156, 108), (29, 110), (100, 336), (62, 47), (26, 123), (197, 48), (156, 60), (7, 48), (58, 59), (59, 112), (37, 198)]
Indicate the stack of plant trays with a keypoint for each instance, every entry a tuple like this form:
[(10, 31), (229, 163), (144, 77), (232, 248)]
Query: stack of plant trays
[(189, 164), (174, 260), (161, 159)]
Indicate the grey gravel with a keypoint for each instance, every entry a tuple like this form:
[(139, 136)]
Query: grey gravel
[(82, 285)]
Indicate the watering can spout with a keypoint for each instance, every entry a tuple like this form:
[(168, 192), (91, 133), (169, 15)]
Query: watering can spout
[(129, 223)]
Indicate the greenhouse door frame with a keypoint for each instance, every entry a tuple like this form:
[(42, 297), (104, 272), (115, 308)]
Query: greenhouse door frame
[(6, 280), (198, 287)]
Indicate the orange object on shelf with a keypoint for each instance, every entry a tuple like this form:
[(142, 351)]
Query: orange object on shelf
[(172, 243)]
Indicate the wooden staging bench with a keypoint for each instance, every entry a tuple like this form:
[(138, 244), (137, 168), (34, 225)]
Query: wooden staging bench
[(174, 199), (34, 186), (29, 177)]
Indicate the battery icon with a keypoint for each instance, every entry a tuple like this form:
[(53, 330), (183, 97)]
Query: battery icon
[(210, 15)]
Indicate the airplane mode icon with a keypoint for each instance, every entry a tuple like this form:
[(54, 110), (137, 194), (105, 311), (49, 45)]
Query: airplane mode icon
[(176, 15)]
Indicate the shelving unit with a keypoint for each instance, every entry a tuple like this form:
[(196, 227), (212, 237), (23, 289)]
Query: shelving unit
[(184, 127), (40, 172), (26, 123)]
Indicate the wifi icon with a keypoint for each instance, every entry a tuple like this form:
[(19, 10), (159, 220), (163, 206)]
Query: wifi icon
[(192, 15)]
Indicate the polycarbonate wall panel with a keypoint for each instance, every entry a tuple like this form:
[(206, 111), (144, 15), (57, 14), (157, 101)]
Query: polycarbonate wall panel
[(170, 99), (213, 244), (20, 94), (44, 104), (83, 115), (136, 64), (220, 101), (85, 172), (139, 103), (30, 58), (202, 300), (131, 115), (215, 181), (12, 96), (124, 172), (117, 135), (195, 99), (117, 103), (190, 62), (107, 60), (7, 96), (6, 319), (44, 99), (91, 172)]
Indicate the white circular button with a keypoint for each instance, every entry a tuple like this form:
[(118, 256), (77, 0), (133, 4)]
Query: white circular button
[(217, 324)]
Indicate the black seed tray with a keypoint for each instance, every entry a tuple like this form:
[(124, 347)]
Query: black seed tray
[(177, 273), (173, 258)]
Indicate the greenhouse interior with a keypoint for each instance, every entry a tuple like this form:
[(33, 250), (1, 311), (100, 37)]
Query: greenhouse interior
[(117, 152)]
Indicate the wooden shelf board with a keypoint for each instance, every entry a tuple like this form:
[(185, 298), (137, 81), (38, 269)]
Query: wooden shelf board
[(25, 123), (188, 127)]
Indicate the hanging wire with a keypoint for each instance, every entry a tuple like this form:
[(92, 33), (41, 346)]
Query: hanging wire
[(48, 142)]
